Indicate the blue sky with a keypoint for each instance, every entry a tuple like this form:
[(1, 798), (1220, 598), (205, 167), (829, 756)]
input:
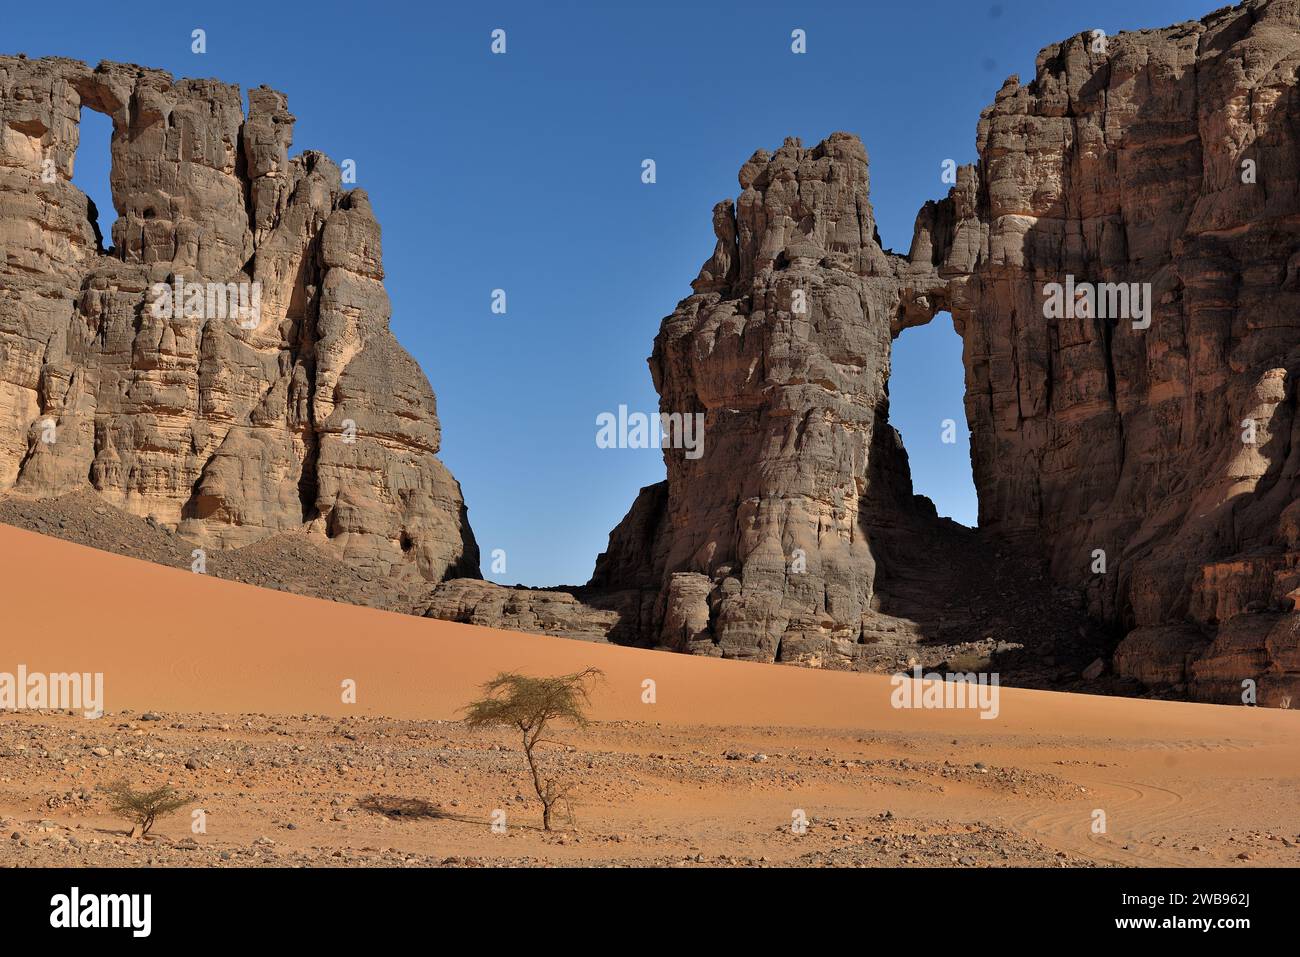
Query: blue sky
[(522, 172)]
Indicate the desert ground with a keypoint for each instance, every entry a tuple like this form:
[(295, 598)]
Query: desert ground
[(235, 695)]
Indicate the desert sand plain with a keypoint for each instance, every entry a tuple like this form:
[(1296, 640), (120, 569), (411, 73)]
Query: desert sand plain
[(233, 693)]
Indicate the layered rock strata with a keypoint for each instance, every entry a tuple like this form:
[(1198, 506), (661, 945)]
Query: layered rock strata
[(1155, 457), (766, 546), (1123, 265), (297, 411)]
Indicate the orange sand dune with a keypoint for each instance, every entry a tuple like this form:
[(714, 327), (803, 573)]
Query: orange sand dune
[(171, 640), (1180, 783)]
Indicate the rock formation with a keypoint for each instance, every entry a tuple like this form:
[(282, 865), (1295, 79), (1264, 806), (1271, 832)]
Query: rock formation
[(765, 547), (1171, 452), (568, 613), (1122, 263), (1142, 435), (230, 426)]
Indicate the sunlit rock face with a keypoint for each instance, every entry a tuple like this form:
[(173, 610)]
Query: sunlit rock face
[(1122, 263), (1154, 456), (299, 412), (763, 544)]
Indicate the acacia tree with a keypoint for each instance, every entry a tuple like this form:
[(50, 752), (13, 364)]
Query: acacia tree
[(530, 705), (143, 808)]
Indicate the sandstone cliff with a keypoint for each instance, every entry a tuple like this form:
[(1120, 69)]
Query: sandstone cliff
[(1149, 449), (1140, 436), (305, 413), (795, 536), (1169, 157), (763, 547)]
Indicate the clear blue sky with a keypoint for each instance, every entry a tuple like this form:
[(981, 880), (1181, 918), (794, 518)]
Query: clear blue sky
[(522, 172)]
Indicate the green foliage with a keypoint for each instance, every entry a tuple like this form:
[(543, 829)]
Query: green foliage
[(531, 705), (143, 808), (527, 703)]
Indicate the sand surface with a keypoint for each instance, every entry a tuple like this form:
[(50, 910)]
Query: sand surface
[(249, 685)]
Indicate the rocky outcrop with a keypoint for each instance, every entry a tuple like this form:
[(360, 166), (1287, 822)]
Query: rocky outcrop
[(794, 534), (568, 613), (1123, 265), (766, 546), (1157, 463), (276, 398)]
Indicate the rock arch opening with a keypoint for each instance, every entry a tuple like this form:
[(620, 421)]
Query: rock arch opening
[(927, 387), (91, 172)]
